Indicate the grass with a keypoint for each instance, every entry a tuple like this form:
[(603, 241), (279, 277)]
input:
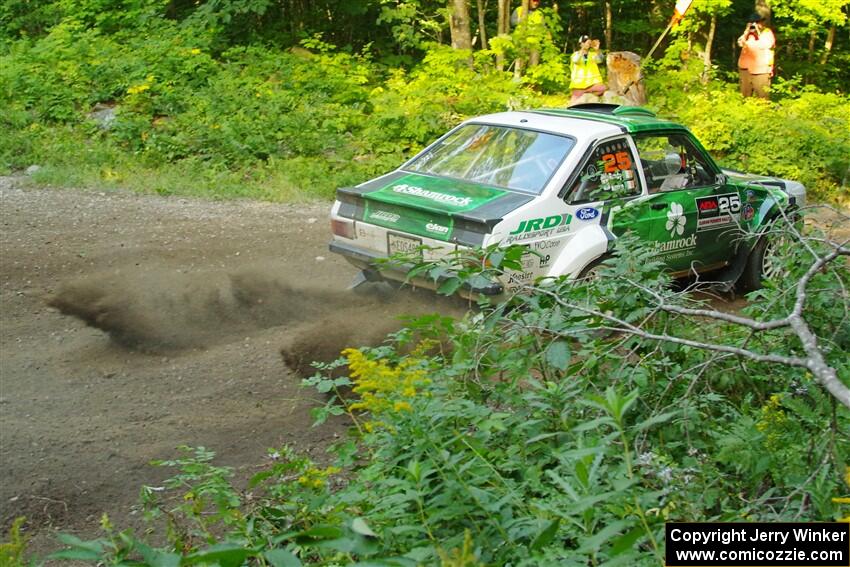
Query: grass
[(70, 159)]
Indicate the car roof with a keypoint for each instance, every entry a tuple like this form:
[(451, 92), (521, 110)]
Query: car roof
[(584, 121)]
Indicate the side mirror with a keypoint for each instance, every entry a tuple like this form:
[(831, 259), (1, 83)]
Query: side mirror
[(721, 179)]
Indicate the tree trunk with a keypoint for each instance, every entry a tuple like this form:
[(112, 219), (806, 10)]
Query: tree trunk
[(827, 48), (709, 41), (625, 78), (519, 64), (459, 24), (503, 27), (504, 24), (482, 23), (812, 37), (609, 26)]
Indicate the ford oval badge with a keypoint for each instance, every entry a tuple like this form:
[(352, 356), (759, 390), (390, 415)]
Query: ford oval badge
[(587, 213)]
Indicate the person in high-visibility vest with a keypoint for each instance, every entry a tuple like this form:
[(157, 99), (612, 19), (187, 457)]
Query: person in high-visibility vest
[(534, 17), (536, 26), (755, 64), (585, 76)]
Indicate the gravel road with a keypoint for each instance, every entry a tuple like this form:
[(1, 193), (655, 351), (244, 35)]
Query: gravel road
[(199, 298), (189, 305)]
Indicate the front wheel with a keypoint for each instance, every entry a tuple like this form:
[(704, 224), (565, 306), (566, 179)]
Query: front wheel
[(764, 263)]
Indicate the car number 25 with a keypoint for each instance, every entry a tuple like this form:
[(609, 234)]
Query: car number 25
[(729, 203)]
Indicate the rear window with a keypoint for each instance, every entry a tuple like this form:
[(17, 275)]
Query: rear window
[(496, 155)]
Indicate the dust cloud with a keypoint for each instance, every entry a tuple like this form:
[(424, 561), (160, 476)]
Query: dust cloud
[(156, 309), (324, 340)]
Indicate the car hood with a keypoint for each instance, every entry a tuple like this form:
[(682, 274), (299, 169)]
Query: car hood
[(794, 189)]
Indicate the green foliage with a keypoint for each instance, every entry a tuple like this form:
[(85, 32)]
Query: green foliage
[(413, 23), (528, 433), (324, 118), (316, 119), (191, 92), (413, 108), (12, 551), (803, 136)]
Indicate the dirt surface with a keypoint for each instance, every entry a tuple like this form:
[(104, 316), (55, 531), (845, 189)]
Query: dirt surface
[(189, 304)]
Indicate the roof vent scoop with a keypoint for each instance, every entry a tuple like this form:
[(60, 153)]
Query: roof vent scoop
[(615, 109), (633, 111), (601, 107)]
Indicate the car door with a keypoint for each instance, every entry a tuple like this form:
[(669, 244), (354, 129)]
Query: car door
[(692, 218), (607, 181)]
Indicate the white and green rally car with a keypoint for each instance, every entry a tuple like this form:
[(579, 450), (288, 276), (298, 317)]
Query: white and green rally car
[(565, 183)]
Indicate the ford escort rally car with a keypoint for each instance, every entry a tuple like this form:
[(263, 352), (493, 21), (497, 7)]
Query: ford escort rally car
[(565, 183)]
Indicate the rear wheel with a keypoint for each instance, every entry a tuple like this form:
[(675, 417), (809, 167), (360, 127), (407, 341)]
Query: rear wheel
[(591, 272)]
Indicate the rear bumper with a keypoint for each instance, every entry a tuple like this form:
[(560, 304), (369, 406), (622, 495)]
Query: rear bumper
[(367, 260)]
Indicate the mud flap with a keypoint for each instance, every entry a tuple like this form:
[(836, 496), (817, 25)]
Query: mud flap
[(726, 278), (364, 276)]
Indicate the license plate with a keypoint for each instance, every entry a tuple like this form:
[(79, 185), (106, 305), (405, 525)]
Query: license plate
[(398, 244)]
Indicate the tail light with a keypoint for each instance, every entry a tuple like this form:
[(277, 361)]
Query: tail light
[(343, 228)]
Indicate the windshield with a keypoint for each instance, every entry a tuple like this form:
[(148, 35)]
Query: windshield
[(496, 155)]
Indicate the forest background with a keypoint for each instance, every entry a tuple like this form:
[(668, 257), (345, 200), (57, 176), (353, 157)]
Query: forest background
[(289, 99), (527, 436)]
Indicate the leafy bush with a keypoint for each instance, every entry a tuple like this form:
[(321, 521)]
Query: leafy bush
[(530, 434), (803, 136), (320, 118)]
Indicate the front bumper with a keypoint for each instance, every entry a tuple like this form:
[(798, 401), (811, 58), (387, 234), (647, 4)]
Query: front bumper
[(367, 260)]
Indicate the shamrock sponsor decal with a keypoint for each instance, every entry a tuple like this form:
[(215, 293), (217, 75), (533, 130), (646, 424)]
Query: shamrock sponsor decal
[(676, 219)]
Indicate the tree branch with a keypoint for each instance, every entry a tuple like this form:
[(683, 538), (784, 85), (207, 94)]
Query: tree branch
[(814, 361)]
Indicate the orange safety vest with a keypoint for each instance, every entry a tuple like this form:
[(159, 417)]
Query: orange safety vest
[(757, 54)]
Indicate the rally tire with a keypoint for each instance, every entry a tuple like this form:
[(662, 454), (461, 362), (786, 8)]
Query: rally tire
[(762, 264), (591, 271)]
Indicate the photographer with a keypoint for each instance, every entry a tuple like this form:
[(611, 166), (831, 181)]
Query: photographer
[(585, 76), (755, 64)]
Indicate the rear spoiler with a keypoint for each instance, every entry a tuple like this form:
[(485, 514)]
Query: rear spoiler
[(470, 227)]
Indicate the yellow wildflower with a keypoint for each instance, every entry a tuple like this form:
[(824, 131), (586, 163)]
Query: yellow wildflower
[(195, 51), (315, 477), (772, 422), (380, 384), (138, 89)]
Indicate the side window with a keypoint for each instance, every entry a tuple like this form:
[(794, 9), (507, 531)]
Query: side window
[(609, 173), (671, 162)]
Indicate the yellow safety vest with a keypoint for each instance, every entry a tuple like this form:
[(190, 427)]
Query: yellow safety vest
[(584, 72), (535, 18)]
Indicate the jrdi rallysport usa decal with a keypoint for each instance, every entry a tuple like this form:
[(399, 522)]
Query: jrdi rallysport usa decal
[(543, 227)]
